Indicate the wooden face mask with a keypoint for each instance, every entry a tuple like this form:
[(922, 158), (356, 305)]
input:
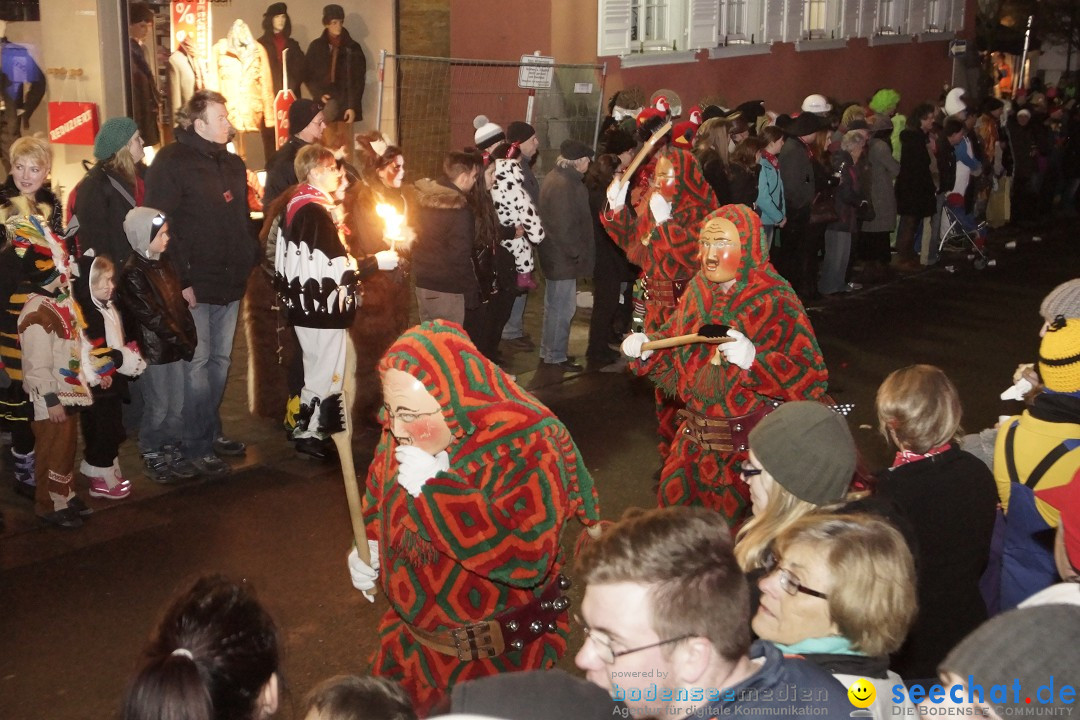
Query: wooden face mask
[(721, 250)]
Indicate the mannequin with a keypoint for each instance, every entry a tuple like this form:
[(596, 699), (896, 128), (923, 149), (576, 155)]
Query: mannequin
[(335, 73), (286, 59), (23, 87), (240, 70), (186, 73), (145, 96)]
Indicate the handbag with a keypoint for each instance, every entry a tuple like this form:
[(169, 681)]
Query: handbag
[(483, 262), (864, 211), (823, 208)]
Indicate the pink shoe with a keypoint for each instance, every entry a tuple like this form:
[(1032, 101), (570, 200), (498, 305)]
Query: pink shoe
[(100, 489)]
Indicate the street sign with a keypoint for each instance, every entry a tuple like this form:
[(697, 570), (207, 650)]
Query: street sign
[(536, 72), (958, 48)]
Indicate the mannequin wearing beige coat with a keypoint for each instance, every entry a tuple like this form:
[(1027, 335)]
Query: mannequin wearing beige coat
[(240, 70)]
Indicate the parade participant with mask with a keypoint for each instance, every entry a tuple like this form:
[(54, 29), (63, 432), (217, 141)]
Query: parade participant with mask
[(659, 235), (728, 388), (471, 486)]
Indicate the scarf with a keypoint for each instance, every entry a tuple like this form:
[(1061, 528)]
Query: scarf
[(904, 457), (832, 645), (771, 158)]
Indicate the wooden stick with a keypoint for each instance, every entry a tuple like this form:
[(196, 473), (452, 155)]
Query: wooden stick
[(680, 340), (645, 150), (343, 442)]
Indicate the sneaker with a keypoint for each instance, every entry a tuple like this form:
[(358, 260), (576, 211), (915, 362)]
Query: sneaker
[(66, 518), (211, 466), (229, 448), (77, 505), (156, 467), (100, 489), (179, 465), (852, 287)]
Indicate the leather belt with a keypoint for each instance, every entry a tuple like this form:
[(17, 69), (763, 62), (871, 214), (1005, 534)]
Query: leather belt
[(509, 630), (721, 434), (663, 292)]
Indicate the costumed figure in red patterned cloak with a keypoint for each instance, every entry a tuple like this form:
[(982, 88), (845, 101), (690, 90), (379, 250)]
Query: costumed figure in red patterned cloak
[(770, 354), (467, 496), (659, 235)]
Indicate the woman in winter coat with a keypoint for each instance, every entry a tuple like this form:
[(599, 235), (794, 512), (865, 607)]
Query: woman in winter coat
[(770, 198), (442, 255), (24, 194), (711, 150), (849, 204), (743, 172), (915, 192), (873, 243), (111, 188)]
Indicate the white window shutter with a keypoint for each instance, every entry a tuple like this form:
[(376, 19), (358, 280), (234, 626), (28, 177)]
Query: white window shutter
[(774, 19), (850, 20), (614, 27), (704, 24), (956, 18), (793, 17), (867, 17), (917, 20)]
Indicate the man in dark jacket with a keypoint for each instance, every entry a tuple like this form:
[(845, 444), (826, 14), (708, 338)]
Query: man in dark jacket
[(335, 69), (202, 189), (567, 252), (797, 259), (308, 121)]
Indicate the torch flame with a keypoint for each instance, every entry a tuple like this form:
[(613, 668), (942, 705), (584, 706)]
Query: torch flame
[(393, 221)]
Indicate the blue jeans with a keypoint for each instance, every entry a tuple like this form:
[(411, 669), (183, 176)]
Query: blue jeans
[(834, 266), (162, 390), (205, 376), (515, 326), (560, 304)]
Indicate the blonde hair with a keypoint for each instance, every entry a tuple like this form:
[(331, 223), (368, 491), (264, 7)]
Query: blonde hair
[(713, 135), (918, 408), (872, 599), (310, 157), (853, 113), (754, 539), (36, 149), (122, 164)]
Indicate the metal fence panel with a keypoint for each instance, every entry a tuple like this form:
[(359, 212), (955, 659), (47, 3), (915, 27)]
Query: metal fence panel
[(427, 105)]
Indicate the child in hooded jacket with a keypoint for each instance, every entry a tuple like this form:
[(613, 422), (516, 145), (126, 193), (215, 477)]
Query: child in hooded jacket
[(114, 359)]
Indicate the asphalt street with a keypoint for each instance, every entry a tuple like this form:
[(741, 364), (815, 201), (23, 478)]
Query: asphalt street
[(77, 606)]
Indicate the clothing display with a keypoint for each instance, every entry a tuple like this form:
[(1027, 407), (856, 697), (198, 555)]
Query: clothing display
[(187, 76), (240, 70)]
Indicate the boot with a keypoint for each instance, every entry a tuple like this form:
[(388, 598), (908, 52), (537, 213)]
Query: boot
[(25, 484), (307, 420), (105, 482)]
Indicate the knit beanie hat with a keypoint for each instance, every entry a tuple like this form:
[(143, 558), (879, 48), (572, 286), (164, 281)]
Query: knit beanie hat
[(519, 132), (885, 101), (808, 449), (1064, 300), (1029, 646), (301, 113), (113, 135), (954, 101), (487, 133), (332, 12), (575, 150), (1059, 356)]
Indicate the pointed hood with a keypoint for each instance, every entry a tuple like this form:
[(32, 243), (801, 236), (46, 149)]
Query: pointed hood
[(140, 226)]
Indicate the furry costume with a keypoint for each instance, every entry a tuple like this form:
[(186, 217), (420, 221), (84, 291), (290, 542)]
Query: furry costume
[(514, 207), (788, 365), (670, 255), (483, 536)]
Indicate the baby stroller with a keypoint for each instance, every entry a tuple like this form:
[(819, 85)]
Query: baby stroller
[(959, 235)]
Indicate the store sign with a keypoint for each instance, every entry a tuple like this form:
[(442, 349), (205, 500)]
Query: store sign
[(191, 19), (73, 123)]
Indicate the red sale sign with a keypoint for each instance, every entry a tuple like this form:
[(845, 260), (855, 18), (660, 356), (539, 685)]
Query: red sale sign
[(191, 19), (73, 123)]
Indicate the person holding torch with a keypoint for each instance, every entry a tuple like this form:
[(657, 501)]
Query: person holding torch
[(319, 282)]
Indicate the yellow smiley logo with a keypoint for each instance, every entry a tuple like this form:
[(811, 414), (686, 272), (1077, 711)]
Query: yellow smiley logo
[(862, 693)]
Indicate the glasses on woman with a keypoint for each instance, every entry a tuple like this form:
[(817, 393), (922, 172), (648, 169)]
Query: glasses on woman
[(789, 581), (748, 471), (408, 416), (607, 653)]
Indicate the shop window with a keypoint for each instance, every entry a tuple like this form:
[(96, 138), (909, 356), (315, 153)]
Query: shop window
[(892, 17), (658, 27), (20, 10), (821, 19)]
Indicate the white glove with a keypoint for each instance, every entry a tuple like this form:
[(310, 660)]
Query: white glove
[(364, 576), (132, 363), (387, 259), (631, 346), (741, 352), (1017, 392), (416, 467), (616, 194), (660, 208)]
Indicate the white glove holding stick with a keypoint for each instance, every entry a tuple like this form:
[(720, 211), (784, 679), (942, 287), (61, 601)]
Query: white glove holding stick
[(631, 346), (365, 576), (741, 352)]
